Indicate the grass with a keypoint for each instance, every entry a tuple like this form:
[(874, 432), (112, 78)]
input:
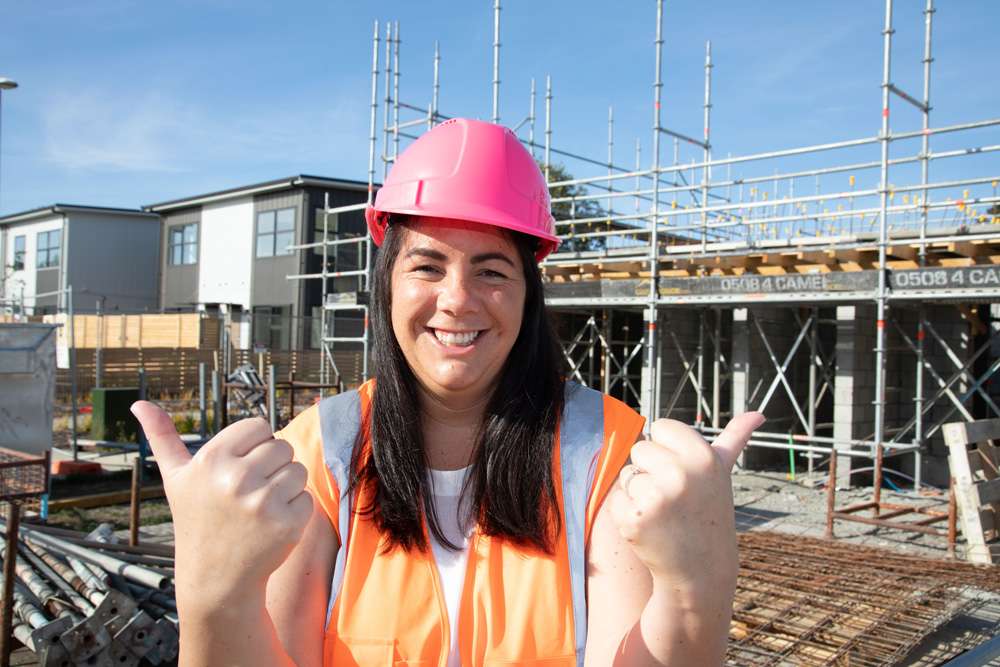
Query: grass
[(151, 512)]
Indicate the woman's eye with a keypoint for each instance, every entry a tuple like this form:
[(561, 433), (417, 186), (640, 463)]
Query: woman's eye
[(426, 268), (489, 273)]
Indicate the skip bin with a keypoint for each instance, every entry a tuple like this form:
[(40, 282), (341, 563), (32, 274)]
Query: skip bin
[(111, 418), (27, 386)]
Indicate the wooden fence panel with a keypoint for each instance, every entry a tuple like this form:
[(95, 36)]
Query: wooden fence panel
[(146, 330), (174, 371)]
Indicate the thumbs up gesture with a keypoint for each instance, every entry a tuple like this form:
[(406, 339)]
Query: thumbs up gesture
[(674, 504), (239, 506)]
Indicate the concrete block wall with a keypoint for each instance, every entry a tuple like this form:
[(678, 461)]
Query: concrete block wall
[(854, 378)]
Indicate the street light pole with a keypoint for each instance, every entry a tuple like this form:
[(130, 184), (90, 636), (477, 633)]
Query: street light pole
[(5, 84)]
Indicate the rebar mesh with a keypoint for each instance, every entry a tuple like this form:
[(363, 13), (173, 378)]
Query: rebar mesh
[(807, 601), (22, 475)]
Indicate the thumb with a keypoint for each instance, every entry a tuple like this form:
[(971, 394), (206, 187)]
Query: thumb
[(170, 451), (735, 436)]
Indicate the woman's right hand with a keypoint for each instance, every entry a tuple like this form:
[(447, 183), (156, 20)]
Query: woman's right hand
[(239, 507)]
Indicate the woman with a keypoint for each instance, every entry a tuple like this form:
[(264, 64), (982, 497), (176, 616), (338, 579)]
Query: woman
[(468, 507)]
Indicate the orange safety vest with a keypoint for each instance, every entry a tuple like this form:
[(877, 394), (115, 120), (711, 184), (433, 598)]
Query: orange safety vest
[(518, 606)]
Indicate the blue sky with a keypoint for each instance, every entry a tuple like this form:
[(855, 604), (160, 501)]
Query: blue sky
[(125, 103)]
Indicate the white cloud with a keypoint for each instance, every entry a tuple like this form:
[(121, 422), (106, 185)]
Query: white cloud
[(94, 130), (155, 132)]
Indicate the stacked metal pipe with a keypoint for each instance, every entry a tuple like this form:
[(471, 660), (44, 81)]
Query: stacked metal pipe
[(83, 600)]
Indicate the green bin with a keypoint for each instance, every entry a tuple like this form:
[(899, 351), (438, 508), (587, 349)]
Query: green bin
[(111, 418)]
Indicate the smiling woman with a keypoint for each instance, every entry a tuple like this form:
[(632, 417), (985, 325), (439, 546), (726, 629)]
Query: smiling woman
[(469, 505), (458, 320)]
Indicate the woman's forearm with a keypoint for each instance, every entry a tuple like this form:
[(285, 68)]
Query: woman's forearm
[(239, 632), (679, 626)]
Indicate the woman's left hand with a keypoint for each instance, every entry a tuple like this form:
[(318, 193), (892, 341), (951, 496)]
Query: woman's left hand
[(674, 504)]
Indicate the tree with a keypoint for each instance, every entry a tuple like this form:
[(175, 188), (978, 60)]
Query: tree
[(576, 209)]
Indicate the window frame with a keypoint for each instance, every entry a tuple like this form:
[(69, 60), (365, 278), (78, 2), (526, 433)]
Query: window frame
[(266, 242), (20, 254), (183, 246), (44, 252)]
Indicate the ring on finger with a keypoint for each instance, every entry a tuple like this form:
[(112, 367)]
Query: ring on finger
[(629, 473)]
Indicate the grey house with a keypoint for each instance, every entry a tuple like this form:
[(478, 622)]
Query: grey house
[(229, 251), (109, 255)]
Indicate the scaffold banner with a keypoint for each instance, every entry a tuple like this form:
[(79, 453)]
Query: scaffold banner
[(797, 283), (965, 277), (848, 284)]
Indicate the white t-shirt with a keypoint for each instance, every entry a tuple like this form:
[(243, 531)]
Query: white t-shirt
[(446, 489)]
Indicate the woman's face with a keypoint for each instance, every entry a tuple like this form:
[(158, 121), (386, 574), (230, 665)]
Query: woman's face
[(458, 294)]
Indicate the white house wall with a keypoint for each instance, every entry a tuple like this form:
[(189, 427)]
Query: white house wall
[(26, 277), (226, 252)]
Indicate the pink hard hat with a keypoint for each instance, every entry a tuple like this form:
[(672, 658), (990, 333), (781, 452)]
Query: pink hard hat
[(468, 170)]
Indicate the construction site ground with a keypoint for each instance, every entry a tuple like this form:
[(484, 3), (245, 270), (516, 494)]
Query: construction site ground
[(772, 506)]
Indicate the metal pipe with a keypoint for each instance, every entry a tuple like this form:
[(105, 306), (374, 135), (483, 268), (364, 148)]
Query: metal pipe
[(880, 298), (706, 172), (7, 620), (862, 447), (759, 246), (134, 501), (437, 82), (682, 137), (395, 93), (611, 148), (638, 165), (918, 401), (90, 577), (700, 369), (72, 371), (387, 100), (649, 398), (272, 398), (830, 196), (717, 370), (548, 127), (815, 148), (496, 61), (814, 363), (98, 347), (54, 577), (531, 119), (216, 401), (114, 565), (596, 182), (202, 400)]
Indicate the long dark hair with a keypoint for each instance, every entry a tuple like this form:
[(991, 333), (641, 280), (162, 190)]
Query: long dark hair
[(509, 489)]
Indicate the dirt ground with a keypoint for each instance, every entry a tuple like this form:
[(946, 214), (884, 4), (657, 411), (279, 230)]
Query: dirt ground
[(770, 501)]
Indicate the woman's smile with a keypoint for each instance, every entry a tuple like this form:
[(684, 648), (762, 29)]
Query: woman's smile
[(456, 339)]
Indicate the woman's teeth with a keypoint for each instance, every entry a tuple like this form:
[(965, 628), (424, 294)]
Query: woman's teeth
[(459, 339)]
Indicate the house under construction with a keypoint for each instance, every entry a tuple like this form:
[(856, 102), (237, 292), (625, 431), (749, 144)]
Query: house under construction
[(850, 302)]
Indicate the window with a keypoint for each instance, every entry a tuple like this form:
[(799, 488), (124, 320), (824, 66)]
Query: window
[(19, 252), (332, 227), (182, 244), (48, 248), (272, 327), (275, 232)]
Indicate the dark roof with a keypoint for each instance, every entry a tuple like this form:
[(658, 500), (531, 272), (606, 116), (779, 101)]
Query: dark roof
[(301, 180), (56, 209)]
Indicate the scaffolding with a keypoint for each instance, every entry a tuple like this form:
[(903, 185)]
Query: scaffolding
[(715, 292)]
